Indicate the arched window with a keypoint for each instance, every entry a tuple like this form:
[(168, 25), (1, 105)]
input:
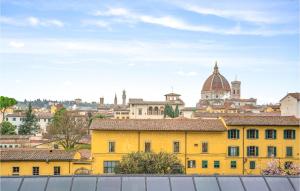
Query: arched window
[(162, 109), (155, 110), (150, 110)]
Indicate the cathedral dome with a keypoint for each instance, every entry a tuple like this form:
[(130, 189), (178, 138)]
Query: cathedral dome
[(216, 82)]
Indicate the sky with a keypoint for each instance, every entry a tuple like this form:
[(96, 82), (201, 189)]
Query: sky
[(67, 49)]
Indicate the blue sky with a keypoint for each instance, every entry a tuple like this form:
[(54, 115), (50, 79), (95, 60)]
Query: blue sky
[(67, 49)]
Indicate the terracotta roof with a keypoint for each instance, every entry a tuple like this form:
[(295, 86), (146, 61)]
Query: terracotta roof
[(142, 102), (158, 125), (189, 109), (216, 82), (262, 120), (216, 115), (35, 155), (295, 95), (85, 153)]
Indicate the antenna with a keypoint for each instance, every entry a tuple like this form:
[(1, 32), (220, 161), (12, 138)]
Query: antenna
[(172, 89), (235, 78)]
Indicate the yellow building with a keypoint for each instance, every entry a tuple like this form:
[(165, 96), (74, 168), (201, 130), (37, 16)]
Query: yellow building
[(232, 145), (42, 162)]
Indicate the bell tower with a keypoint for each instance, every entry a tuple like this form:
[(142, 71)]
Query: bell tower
[(235, 89)]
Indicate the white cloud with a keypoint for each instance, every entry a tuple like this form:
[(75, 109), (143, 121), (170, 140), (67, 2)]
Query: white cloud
[(33, 21), (15, 44), (97, 23), (67, 83), (175, 23), (55, 22), (182, 73)]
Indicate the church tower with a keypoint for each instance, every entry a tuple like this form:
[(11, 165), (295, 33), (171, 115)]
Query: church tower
[(116, 100), (236, 89), (124, 98)]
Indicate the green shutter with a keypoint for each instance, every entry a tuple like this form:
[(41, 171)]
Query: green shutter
[(229, 134), (285, 134), (256, 132), (293, 134), (238, 151), (238, 134), (256, 153), (266, 134), (229, 154), (248, 132), (275, 151), (275, 132), (248, 151)]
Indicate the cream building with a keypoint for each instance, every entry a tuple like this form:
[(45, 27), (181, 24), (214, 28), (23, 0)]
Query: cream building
[(140, 109), (290, 105)]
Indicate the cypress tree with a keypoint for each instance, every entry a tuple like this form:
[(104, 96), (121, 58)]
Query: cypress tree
[(30, 124)]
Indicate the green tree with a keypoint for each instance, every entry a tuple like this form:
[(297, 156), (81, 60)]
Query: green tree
[(6, 102), (67, 129), (149, 163), (176, 113), (97, 116), (30, 124), (6, 128)]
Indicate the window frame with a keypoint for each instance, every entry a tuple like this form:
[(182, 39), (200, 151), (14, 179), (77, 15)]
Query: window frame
[(111, 146), (217, 164), (145, 148), (111, 166), (274, 134), (237, 152), (35, 170), (291, 151), (233, 134), (204, 147), (252, 165), (15, 173), (233, 164), (256, 133), (293, 134), (175, 148), (191, 164), (204, 164), (56, 170), (274, 151), (251, 149)]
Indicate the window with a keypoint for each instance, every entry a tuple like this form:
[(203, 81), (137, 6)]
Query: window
[(147, 147), (216, 164), (252, 134), (233, 151), (14, 119), (191, 164), (111, 147), (45, 120), (109, 166), (56, 170), (252, 151), (15, 171), (289, 134), (205, 147), (270, 134), (204, 164), (140, 111), (233, 134), (176, 146), (288, 164), (271, 151), (252, 164), (233, 164), (289, 151), (35, 170)]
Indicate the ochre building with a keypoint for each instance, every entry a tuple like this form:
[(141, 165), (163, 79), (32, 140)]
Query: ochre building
[(228, 145), (25, 161)]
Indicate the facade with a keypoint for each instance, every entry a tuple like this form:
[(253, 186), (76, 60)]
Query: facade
[(290, 105), (229, 145), (17, 119), (35, 162), (140, 109)]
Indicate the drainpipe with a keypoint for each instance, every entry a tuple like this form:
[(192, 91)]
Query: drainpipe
[(243, 150), (185, 151)]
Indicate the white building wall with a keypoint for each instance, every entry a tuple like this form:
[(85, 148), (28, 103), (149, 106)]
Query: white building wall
[(290, 106)]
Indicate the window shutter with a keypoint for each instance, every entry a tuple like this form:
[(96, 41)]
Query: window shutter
[(293, 134), (237, 134), (285, 134), (229, 134), (238, 151), (275, 153), (229, 154), (275, 134), (248, 134), (256, 151), (256, 132), (266, 134), (248, 151)]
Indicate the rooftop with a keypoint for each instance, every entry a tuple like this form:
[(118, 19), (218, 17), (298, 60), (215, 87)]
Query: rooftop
[(158, 124), (151, 183), (35, 154), (262, 120), (295, 95)]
